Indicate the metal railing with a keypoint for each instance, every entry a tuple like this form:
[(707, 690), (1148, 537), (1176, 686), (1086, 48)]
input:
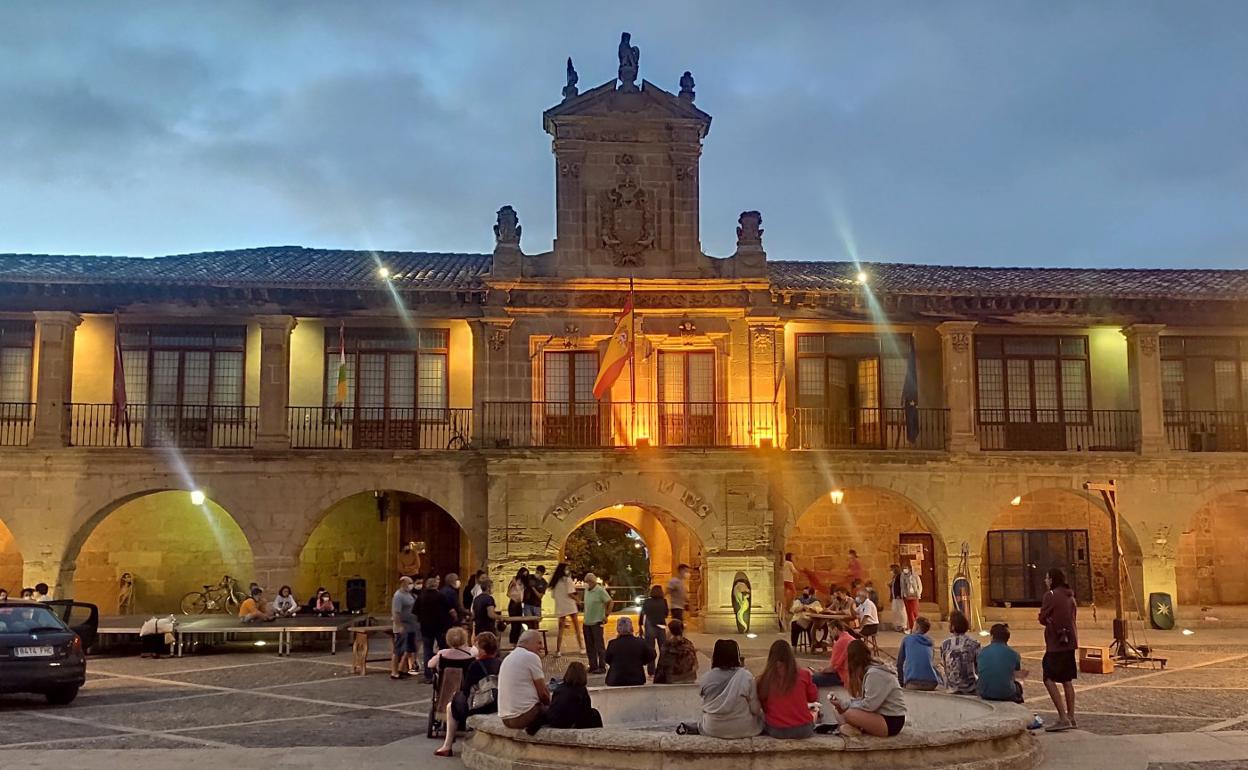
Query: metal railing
[(594, 425), (1207, 431), (164, 425), (1053, 430), (17, 421), (816, 428), (316, 427)]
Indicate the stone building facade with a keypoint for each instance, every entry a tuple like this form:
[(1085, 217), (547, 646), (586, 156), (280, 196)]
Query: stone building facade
[(770, 406)]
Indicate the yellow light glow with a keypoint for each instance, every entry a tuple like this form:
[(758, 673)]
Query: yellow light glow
[(619, 506), (1018, 500), (197, 497), (837, 496), (384, 272), (861, 277), (1188, 632)]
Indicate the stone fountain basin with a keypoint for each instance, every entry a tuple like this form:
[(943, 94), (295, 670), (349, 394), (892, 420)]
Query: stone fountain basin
[(942, 731)]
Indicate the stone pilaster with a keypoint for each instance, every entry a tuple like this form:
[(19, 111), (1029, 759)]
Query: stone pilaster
[(273, 428), (53, 384), (720, 575), (958, 359), (1144, 374), (491, 338)]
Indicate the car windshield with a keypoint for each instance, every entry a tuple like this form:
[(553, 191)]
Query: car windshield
[(22, 619)]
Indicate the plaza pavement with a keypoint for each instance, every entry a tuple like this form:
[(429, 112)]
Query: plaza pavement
[(252, 709)]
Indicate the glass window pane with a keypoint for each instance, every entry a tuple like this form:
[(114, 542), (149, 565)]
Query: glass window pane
[(372, 381), (1075, 390), (15, 366), (1030, 346), (1045, 372), (164, 377), (195, 375), (1226, 385), (671, 377), (1172, 346), (1074, 346), (869, 383), (987, 347), (17, 334), (557, 375), (1225, 347), (701, 385), (135, 364), (433, 393), (1019, 390), (810, 343), (227, 379), (586, 373), (402, 378), (434, 339), (1172, 385), (991, 387), (894, 381), (810, 382)]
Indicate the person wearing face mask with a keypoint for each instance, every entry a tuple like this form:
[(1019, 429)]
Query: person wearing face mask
[(801, 609)]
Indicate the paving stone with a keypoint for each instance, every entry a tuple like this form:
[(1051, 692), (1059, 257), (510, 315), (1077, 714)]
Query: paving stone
[(1130, 725), (373, 690), (1215, 704), (225, 709), (351, 728), (128, 741), (24, 728), (261, 675)]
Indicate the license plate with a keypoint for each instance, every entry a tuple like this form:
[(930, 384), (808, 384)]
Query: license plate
[(32, 652)]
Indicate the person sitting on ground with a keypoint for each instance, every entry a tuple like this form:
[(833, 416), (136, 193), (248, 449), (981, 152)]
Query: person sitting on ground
[(786, 692), (456, 653), (522, 692), (801, 609), (285, 604), (730, 707), (915, 667), (836, 674), (1001, 671), (678, 662), (627, 656), (325, 604), (570, 704), (876, 706), (959, 655), (255, 609), (478, 693), (653, 619), (868, 618), (484, 610)]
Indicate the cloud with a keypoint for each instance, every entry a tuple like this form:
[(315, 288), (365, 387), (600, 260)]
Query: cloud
[(1061, 133)]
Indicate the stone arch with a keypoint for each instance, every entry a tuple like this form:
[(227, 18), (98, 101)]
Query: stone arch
[(168, 543), (1060, 508), (655, 532), (1209, 551), (11, 564), (873, 520)]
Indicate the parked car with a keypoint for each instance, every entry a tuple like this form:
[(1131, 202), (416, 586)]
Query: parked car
[(41, 652)]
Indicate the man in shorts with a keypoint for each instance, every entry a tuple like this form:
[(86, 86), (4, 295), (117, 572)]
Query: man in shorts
[(403, 621)]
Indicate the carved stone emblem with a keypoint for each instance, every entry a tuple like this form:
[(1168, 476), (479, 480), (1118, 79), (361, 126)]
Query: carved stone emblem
[(498, 339), (627, 223), (750, 229), (961, 341), (1148, 344)]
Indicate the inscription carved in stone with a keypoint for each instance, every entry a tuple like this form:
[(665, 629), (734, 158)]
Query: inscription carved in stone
[(961, 341)]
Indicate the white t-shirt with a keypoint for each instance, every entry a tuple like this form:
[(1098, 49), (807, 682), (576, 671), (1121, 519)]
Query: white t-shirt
[(516, 692), (788, 572), (868, 615), (564, 604)]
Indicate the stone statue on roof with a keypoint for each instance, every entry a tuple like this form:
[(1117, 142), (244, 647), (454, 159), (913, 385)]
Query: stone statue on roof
[(570, 89), (749, 229), (686, 86), (507, 229), (630, 60)]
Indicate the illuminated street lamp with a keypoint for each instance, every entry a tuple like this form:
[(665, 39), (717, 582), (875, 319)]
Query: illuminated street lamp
[(197, 497), (837, 496), (384, 272)]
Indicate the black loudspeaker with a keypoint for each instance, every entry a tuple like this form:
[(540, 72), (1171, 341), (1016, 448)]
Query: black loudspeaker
[(357, 596)]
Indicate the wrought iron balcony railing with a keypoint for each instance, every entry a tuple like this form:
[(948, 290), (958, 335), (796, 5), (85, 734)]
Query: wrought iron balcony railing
[(17, 420), (1054, 430), (315, 427), (1207, 431), (185, 426), (595, 425), (899, 428)]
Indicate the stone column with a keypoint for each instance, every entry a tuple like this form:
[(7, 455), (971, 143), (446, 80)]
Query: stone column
[(273, 428), (1144, 373), (958, 359), (54, 382), (719, 575), (490, 339)]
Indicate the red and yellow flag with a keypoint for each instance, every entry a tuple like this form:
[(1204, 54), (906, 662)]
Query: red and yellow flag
[(619, 352)]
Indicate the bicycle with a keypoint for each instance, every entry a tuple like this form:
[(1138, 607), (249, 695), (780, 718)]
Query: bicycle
[(459, 437), (225, 597)]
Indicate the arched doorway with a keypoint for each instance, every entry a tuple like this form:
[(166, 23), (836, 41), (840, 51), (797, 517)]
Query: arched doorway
[(364, 536), (169, 541), (10, 562), (665, 542), (1210, 554), (882, 527), (1059, 528)]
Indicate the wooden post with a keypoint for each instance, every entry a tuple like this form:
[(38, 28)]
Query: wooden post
[(1109, 493)]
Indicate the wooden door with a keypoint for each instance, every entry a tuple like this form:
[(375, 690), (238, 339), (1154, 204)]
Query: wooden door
[(927, 567), (424, 522)]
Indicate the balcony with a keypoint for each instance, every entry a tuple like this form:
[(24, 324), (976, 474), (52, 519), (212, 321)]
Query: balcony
[(595, 425), (314, 427), (811, 428), (185, 426), (1053, 430), (1207, 431), (16, 423)]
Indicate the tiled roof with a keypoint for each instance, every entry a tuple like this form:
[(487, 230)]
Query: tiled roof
[(272, 267), (942, 280)]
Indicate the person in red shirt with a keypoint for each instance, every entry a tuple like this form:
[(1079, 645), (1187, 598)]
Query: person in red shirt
[(837, 672), (786, 692)]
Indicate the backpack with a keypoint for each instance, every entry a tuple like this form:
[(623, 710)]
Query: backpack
[(484, 693)]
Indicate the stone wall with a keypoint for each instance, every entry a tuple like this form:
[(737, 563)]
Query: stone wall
[(349, 542), (169, 545), (1210, 555), (10, 562), (868, 520)]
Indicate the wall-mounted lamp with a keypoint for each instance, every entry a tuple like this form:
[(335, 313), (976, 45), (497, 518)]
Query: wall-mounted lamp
[(197, 497), (1018, 500), (837, 496)]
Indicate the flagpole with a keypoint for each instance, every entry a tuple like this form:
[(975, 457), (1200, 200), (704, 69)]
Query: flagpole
[(632, 362)]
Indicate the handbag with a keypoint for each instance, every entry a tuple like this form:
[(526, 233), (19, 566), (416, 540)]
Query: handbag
[(484, 693)]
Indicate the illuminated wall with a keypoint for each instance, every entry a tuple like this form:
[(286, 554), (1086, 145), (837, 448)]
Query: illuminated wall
[(170, 546), (93, 360), (10, 562), (351, 541), (1210, 555)]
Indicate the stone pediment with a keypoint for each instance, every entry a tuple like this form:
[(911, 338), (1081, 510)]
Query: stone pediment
[(647, 103)]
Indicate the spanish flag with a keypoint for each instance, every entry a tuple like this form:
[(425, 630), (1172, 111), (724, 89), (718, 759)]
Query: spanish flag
[(619, 351)]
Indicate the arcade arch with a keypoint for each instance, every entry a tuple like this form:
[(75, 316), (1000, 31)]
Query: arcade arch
[(362, 536), (1210, 553), (10, 562), (167, 542), (1061, 528), (882, 526)]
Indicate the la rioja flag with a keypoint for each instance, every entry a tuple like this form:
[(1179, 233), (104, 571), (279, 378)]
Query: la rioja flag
[(619, 351)]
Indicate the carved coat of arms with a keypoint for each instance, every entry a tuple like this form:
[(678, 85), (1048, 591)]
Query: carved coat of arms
[(627, 223)]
